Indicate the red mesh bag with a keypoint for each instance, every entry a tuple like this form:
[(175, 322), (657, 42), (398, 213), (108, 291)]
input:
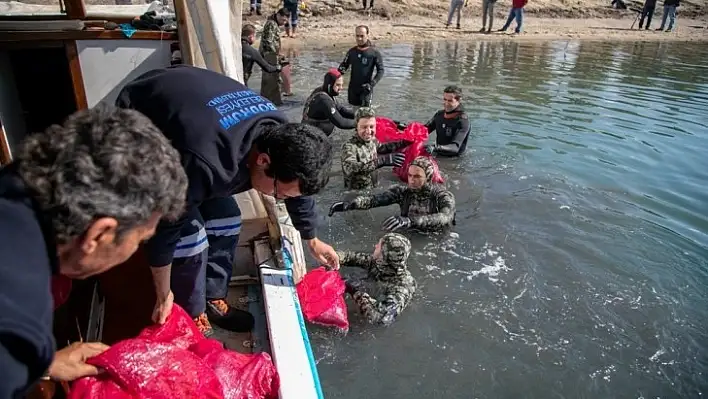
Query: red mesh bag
[(61, 289), (242, 376), (321, 294), (412, 152)]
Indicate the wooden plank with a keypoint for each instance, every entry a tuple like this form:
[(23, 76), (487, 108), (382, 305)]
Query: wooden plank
[(289, 343), (88, 34), (75, 9), (5, 153), (77, 79)]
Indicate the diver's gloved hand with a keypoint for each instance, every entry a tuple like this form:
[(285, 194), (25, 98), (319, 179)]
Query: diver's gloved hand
[(396, 223), (352, 285), (390, 160), (400, 125), (430, 148), (339, 207), (366, 87)]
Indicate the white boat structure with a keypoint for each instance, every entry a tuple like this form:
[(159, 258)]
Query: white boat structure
[(55, 60)]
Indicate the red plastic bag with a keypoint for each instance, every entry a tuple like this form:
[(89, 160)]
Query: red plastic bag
[(242, 376), (412, 152), (61, 289), (321, 294)]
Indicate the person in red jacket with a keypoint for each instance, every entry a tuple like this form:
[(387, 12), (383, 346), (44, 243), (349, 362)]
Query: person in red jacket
[(517, 12)]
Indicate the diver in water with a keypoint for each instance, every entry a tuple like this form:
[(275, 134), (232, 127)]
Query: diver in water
[(363, 59), (386, 266), (451, 125), (321, 107), (424, 205), (363, 154), (250, 55)]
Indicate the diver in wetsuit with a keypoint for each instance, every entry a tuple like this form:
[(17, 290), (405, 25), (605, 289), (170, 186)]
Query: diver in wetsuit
[(386, 266), (451, 125), (363, 154), (424, 205), (321, 108), (363, 59), (250, 55)]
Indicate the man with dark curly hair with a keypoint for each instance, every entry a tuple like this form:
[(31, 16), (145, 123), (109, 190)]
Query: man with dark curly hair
[(231, 140), (78, 199)]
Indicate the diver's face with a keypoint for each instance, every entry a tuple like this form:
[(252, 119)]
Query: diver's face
[(450, 102), (338, 85), (416, 177), (366, 128), (377, 251), (361, 36)]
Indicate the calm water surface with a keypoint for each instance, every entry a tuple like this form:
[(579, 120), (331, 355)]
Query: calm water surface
[(579, 267)]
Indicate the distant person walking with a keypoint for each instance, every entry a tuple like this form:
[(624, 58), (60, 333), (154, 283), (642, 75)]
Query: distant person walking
[(647, 12), (455, 7), (488, 11), (670, 7), (517, 12)]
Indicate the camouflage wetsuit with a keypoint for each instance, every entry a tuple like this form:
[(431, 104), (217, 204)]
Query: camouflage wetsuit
[(432, 207), (270, 50), (397, 283), (359, 160)]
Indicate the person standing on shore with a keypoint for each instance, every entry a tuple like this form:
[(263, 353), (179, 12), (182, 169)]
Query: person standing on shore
[(270, 50), (363, 59), (670, 12), (255, 7), (517, 12), (647, 12), (291, 26), (488, 11), (455, 7)]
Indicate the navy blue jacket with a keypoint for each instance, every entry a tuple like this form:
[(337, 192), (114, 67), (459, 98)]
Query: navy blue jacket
[(212, 120), (27, 261)]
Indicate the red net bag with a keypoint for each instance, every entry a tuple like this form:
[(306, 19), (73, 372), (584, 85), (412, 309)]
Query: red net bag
[(321, 294)]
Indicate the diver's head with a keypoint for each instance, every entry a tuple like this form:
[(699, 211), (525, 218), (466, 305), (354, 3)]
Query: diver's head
[(333, 82), (248, 33), (362, 35), (365, 123), (452, 96), (282, 16), (420, 172), (393, 249)]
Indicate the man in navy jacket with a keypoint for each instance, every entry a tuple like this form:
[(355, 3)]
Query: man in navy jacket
[(78, 199), (230, 140)]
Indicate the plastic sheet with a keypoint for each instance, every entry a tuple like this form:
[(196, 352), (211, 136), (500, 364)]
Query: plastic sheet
[(175, 361), (321, 294)]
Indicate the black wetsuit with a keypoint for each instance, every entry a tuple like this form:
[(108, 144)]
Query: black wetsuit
[(251, 55), (322, 110), (363, 61), (452, 131)]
